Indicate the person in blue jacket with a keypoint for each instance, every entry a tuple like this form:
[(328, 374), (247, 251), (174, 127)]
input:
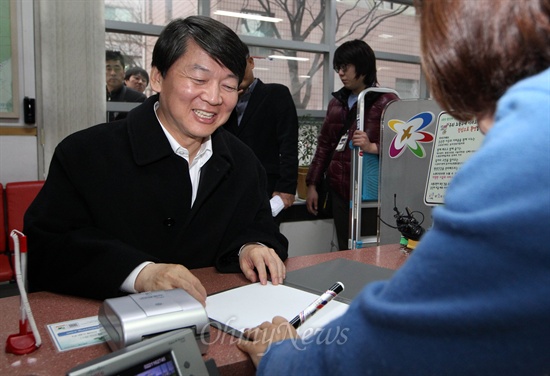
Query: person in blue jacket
[(134, 205), (474, 297)]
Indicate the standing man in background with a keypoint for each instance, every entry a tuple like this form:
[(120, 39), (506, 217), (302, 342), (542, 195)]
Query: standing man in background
[(265, 119), (116, 91)]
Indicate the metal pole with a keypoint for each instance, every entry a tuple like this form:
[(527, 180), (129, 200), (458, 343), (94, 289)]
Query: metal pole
[(356, 176)]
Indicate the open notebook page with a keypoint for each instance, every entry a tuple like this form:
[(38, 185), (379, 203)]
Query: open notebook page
[(248, 306)]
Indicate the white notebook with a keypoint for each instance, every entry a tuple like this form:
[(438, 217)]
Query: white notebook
[(248, 306)]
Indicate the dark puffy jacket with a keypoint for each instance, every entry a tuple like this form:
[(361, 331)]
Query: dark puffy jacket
[(340, 165)]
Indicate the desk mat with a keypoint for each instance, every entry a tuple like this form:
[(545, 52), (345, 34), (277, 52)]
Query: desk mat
[(353, 274)]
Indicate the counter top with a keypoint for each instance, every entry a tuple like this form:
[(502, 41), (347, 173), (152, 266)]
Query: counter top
[(49, 308)]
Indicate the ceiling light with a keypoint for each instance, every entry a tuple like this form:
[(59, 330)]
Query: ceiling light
[(385, 36), (248, 16), (288, 57)]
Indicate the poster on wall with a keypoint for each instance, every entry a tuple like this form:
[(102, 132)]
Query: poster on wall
[(455, 142), (8, 61)]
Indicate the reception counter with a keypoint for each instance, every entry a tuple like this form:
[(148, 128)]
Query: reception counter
[(49, 308)]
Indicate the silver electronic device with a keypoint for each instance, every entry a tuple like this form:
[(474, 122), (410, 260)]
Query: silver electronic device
[(133, 318), (175, 353)]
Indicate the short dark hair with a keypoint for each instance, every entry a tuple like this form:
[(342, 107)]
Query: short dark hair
[(219, 41), (473, 51), (361, 55), (114, 55), (136, 71)]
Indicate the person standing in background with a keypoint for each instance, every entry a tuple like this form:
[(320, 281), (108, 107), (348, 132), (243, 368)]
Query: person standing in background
[(136, 78), (355, 63), (115, 88), (265, 119)]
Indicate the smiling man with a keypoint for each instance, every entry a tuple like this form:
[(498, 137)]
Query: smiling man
[(137, 204)]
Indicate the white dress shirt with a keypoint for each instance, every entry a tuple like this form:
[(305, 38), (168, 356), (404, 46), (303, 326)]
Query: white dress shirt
[(195, 167)]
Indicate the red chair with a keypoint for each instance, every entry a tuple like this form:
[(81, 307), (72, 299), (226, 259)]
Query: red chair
[(6, 271), (19, 196)]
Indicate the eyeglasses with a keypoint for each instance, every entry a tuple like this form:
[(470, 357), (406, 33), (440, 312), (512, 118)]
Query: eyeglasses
[(342, 67)]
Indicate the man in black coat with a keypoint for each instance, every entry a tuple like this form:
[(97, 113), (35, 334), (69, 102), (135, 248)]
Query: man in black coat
[(265, 119), (133, 205)]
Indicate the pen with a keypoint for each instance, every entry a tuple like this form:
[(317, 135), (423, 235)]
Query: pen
[(319, 303)]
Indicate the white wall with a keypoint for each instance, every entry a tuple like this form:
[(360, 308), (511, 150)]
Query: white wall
[(19, 154), (18, 159), (70, 65), (310, 237), (61, 49)]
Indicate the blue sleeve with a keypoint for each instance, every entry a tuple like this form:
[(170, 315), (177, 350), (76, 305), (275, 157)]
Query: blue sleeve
[(473, 298)]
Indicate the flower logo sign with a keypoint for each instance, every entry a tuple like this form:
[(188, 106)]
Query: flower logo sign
[(410, 134)]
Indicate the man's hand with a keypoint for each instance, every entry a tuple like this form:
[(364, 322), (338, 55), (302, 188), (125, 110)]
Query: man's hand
[(288, 199), (261, 337), (259, 256), (170, 276)]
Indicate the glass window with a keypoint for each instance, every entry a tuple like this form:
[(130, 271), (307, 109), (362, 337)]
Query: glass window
[(407, 88), (119, 14), (136, 49), (398, 34), (270, 19), (393, 75), (301, 72), (390, 29), (402, 77), (154, 12)]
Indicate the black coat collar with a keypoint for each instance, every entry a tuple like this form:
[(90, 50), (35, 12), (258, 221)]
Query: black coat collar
[(149, 143)]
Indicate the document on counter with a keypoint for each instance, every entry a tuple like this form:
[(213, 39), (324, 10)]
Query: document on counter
[(68, 335), (248, 306)]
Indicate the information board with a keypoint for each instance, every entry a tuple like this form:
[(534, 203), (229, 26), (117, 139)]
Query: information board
[(421, 148), (455, 142)]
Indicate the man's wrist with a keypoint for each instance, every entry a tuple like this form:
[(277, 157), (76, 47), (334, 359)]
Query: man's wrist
[(247, 244), (129, 283)]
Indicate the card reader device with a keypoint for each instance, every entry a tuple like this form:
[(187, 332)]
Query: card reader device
[(174, 353), (133, 318)]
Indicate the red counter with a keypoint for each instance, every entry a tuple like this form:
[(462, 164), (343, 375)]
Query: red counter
[(49, 308)]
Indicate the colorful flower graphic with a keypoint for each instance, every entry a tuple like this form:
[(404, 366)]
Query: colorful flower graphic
[(410, 134)]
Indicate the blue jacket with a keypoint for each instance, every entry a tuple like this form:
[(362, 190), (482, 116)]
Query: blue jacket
[(474, 297)]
